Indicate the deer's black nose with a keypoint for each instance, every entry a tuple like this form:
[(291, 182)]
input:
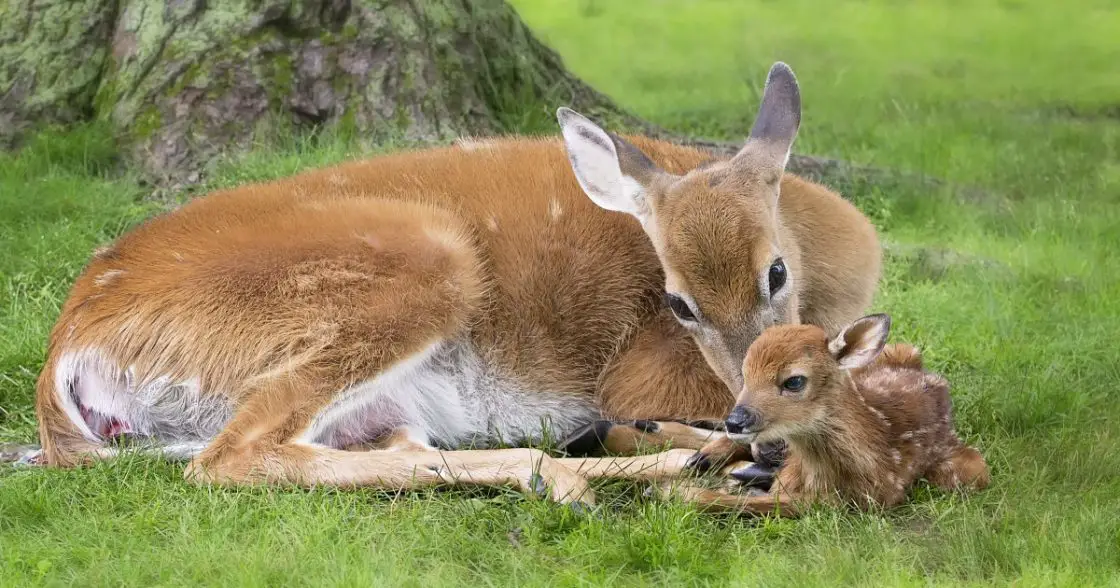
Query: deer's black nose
[(741, 419)]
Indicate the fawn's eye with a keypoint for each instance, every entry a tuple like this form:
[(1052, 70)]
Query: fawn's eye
[(777, 275), (680, 308), (794, 384)]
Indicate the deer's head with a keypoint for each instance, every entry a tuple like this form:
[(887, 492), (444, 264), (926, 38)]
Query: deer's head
[(715, 229)]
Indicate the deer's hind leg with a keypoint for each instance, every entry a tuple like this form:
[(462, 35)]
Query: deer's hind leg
[(294, 425), (964, 468), (379, 315)]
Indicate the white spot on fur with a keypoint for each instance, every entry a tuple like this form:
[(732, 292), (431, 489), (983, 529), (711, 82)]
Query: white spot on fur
[(554, 209), (492, 224), (107, 278), (177, 256), (908, 435), (896, 456), (449, 239), (336, 179), (879, 414), (472, 144)]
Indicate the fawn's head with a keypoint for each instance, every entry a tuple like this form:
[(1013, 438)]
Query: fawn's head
[(715, 229), (793, 375)]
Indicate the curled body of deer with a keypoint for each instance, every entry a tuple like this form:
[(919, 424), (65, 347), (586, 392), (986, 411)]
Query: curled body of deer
[(863, 421), (342, 326)]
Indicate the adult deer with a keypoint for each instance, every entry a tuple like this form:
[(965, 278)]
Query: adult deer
[(449, 298)]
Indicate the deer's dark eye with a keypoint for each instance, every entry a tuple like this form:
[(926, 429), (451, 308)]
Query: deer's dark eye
[(794, 384), (777, 276), (679, 307)]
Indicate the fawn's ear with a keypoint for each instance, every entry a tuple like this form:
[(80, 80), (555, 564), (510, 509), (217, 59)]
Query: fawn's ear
[(779, 116), (613, 173), (861, 342)]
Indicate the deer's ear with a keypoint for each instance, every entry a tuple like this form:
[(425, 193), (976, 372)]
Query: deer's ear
[(861, 342), (613, 173), (779, 116)]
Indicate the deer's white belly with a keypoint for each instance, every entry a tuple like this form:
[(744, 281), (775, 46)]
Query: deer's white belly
[(449, 395)]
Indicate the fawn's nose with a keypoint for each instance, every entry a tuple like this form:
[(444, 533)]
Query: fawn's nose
[(741, 419)]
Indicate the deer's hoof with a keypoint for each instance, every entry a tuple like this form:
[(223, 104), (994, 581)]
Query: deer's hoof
[(586, 440)]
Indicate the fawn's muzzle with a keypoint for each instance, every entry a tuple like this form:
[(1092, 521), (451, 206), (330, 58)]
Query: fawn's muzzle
[(741, 420)]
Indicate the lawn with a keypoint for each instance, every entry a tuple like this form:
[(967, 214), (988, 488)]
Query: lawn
[(1005, 273)]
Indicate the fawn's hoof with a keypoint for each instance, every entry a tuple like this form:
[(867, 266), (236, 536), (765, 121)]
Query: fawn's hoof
[(771, 455), (754, 476)]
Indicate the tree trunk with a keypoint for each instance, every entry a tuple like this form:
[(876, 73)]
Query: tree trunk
[(182, 81)]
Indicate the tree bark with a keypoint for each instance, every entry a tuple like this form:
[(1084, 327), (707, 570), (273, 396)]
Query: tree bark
[(184, 81)]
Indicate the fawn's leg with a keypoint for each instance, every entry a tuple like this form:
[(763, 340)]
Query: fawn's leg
[(715, 451), (964, 468)]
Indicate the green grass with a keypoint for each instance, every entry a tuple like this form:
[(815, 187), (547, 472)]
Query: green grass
[(1011, 286)]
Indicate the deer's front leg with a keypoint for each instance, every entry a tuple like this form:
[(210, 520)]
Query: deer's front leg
[(267, 442)]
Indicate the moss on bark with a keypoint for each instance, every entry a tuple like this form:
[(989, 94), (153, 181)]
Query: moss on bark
[(182, 81), (52, 55)]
